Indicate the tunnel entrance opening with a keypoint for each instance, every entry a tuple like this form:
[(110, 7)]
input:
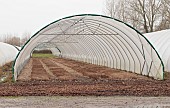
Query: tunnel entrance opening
[(95, 39)]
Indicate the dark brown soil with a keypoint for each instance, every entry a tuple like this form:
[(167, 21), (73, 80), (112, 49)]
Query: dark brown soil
[(74, 78), (6, 70)]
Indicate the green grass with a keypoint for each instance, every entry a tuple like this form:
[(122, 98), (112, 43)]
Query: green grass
[(37, 55)]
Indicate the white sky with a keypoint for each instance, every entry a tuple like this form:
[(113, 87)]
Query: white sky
[(20, 16)]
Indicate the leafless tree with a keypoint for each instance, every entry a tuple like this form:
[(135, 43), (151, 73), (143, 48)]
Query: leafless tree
[(13, 39), (25, 37), (149, 10), (165, 19), (110, 8), (117, 9), (144, 15)]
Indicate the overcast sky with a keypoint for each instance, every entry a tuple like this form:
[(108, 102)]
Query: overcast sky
[(20, 16)]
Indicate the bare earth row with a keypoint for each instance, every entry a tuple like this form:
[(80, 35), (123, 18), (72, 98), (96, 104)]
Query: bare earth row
[(56, 76), (65, 69)]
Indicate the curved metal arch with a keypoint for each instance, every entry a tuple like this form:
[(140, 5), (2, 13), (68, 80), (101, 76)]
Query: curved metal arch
[(123, 49), (104, 49), (75, 47), (122, 42), (130, 46), (102, 44), (69, 49), (96, 30), (100, 51), (88, 43), (89, 46), (16, 47), (84, 15), (128, 43), (105, 33), (117, 43), (115, 51), (95, 43), (120, 35)]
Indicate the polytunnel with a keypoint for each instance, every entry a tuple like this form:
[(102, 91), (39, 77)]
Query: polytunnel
[(7, 53), (95, 39), (161, 42)]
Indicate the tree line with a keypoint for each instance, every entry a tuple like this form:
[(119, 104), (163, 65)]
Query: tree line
[(144, 15), (15, 40)]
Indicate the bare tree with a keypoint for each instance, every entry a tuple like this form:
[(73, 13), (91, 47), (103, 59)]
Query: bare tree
[(117, 9), (149, 10), (110, 8), (144, 15), (25, 37), (165, 18), (11, 39)]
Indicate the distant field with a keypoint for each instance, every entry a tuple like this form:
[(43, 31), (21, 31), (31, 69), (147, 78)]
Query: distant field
[(41, 55)]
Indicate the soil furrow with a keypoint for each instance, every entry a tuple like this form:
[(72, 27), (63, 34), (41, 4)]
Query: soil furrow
[(52, 76)]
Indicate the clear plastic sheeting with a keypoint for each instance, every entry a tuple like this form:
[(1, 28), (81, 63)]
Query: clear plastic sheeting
[(98, 40), (18, 48), (56, 52), (161, 41), (7, 53)]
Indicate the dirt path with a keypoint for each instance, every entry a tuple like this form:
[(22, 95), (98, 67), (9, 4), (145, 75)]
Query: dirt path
[(38, 71), (98, 72), (70, 70), (73, 78), (84, 102), (26, 72), (52, 76)]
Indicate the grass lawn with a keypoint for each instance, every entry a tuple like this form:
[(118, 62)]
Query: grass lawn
[(40, 55)]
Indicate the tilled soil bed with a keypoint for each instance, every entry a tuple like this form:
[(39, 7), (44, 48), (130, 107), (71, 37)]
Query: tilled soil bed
[(56, 76)]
